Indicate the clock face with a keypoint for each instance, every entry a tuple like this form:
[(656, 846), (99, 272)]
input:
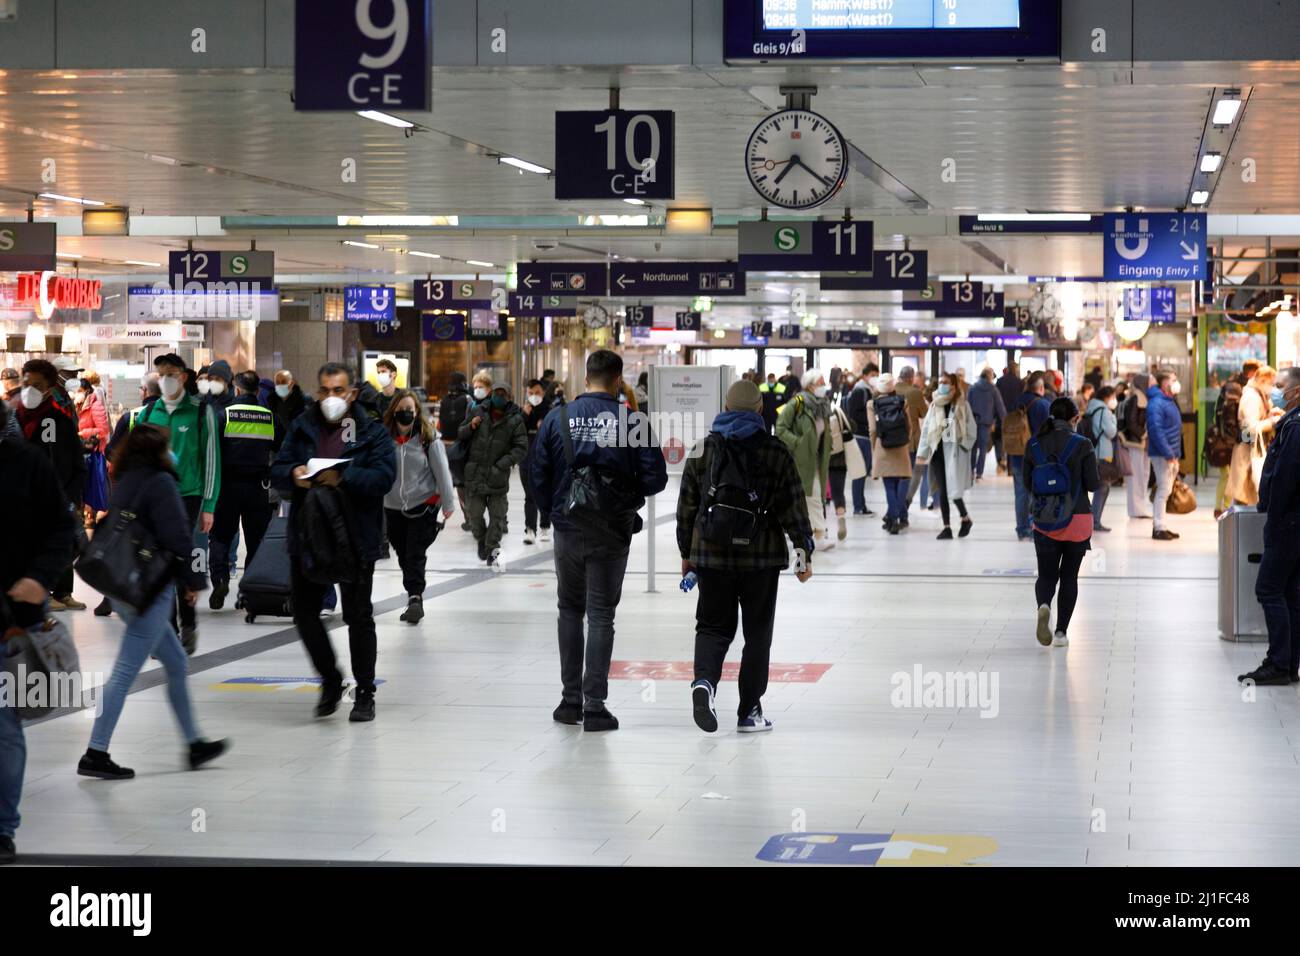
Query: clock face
[(596, 316), (796, 159)]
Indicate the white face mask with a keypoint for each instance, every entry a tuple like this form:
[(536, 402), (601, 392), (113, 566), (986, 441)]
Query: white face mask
[(1175, 387), (480, 393), (385, 379), (205, 387), (171, 386), (72, 385), (216, 388), (283, 390), (1112, 404), (820, 391), (333, 408), (534, 400), (873, 383), (31, 397)]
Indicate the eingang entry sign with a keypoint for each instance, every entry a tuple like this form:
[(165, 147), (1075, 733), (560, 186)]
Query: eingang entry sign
[(1155, 247)]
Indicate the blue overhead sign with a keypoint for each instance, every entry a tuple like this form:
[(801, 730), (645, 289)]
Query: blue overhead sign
[(1158, 305), (1155, 247), (361, 55), (1028, 225), (364, 303), (614, 154), (535, 306), (676, 278), (891, 269), (564, 278), (806, 246)]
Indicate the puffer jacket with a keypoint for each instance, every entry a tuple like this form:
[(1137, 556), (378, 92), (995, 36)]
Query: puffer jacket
[(92, 419), (797, 427), (1164, 425), (495, 447)]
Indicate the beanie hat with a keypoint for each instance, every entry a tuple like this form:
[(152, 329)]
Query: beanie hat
[(221, 369), (744, 396)]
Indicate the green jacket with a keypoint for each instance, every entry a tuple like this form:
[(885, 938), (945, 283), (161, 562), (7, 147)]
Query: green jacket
[(195, 440), (494, 448), (797, 427)]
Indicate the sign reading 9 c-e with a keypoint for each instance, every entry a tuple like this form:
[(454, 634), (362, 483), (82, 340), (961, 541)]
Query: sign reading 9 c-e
[(363, 55), (614, 154)]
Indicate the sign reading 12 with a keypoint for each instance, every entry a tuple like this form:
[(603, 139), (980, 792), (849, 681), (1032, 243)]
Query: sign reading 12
[(796, 159)]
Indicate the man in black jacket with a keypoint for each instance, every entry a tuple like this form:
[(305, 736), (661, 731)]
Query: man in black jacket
[(337, 427), (288, 401), (535, 409), (732, 574), (39, 531), (589, 563), (451, 415), (1277, 587)]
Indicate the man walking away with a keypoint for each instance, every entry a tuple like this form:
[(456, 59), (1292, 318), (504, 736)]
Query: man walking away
[(986, 403), (250, 438), (1010, 386), (740, 493), (1278, 585), (1164, 445), (451, 415), (338, 427), (1024, 420), (588, 443)]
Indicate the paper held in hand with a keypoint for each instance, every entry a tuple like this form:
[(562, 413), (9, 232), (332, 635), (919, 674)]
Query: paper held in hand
[(316, 465)]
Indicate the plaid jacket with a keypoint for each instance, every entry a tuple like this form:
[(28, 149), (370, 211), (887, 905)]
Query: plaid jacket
[(781, 493)]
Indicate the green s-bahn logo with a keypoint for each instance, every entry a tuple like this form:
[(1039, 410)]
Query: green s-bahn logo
[(786, 238)]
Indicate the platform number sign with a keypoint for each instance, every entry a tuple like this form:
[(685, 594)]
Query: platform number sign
[(614, 154), (363, 55), (640, 316)]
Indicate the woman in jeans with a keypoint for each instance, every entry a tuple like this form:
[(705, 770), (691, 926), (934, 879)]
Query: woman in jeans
[(947, 437), (1104, 427), (423, 487), (893, 465), (1060, 551), (145, 484)]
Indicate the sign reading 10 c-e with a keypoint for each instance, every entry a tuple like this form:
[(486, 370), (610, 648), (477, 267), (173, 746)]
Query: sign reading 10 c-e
[(363, 55), (614, 154)]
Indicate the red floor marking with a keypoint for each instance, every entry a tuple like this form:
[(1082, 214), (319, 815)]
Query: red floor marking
[(685, 670)]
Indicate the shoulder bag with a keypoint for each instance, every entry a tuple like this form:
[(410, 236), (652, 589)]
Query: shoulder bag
[(123, 560)]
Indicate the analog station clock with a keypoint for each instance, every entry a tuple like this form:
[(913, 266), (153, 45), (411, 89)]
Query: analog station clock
[(796, 159)]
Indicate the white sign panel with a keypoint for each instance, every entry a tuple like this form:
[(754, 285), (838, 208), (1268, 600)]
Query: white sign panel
[(144, 333), (160, 304), (684, 401)]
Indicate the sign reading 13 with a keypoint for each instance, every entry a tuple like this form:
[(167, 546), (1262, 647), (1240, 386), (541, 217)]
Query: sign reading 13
[(796, 159)]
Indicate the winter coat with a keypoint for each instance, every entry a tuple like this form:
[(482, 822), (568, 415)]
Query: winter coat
[(50, 430), (288, 409), (36, 521), (953, 441), (92, 419), (856, 406), (917, 407), (154, 496), (1164, 425), (797, 427), (422, 472), (1105, 426), (1279, 485), (986, 403), (1255, 422), (890, 462), (451, 413), (774, 479), (495, 447)]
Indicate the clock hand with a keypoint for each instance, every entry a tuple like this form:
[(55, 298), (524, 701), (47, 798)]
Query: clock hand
[(796, 159), (789, 166)]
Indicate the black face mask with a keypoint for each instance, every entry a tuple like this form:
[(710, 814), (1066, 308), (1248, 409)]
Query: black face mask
[(405, 417)]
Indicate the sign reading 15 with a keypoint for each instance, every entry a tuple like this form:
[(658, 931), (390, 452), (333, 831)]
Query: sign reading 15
[(397, 31)]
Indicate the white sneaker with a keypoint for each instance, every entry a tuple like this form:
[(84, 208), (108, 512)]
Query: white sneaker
[(528, 536), (843, 531), (755, 723), (1060, 640), (546, 535), (1044, 625), (495, 562)]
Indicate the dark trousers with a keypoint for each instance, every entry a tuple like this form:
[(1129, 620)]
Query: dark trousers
[(359, 614), (64, 585), (532, 512), (837, 477), (896, 498), (724, 595), (983, 439), (1058, 575), (939, 485), (184, 614), (589, 581), (242, 501), (411, 537), (1278, 591), (860, 484)]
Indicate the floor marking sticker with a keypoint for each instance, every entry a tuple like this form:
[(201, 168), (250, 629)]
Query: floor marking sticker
[(877, 849), (257, 684), (685, 670)]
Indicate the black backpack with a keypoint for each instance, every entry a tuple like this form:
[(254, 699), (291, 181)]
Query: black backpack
[(1087, 430), (327, 537), (731, 512), (599, 502), (891, 421)]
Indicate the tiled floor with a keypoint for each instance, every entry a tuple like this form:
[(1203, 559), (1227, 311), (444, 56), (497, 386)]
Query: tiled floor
[(1132, 746)]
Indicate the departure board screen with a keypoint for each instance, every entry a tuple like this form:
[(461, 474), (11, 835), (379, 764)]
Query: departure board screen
[(778, 31), (891, 14)]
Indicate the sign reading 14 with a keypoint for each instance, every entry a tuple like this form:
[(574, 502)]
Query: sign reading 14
[(796, 159)]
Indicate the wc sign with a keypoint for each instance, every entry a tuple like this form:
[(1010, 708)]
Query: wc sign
[(365, 303), (358, 55), (1155, 247)]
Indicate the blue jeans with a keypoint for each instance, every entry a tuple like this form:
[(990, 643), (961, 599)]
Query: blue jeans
[(896, 497), (983, 439), (13, 762), (860, 484), (1099, 502), (147, 633), (1015, 463)]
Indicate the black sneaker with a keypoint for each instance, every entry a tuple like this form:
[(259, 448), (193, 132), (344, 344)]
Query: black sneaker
[(1163, 535), (217, 599), (965, 528), (1266, 675), (595, 720), (201, 751), (903, 523), (330, 695), (945, 535), (97, 763), (702, 702), (190, 638), (8, 852), (567, 714), (482, 550), (414, 609), (104, 608), (363, 709)]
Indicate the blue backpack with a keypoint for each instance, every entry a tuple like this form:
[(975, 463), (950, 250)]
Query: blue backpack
[(1052, 494)]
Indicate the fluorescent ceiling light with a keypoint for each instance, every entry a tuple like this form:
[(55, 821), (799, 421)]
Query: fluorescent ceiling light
[(83, 202), (479, 262), (1225, 111), (69, 255), (140, 262), (633, 201), (1200, 197), (359, 245), (524, 165), (1211, 162), (423, 255), (379, 117), (1036, 217), (398, 220), (165, 160)]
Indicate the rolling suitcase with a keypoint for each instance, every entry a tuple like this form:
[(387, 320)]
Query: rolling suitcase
[(264, 588)]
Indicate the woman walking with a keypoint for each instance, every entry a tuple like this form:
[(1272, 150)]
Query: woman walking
[(802, 425), (947, 437), (1062, 528), (422, 488), (1103, 426), (145, 484), (846, 463), (891, 432)]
